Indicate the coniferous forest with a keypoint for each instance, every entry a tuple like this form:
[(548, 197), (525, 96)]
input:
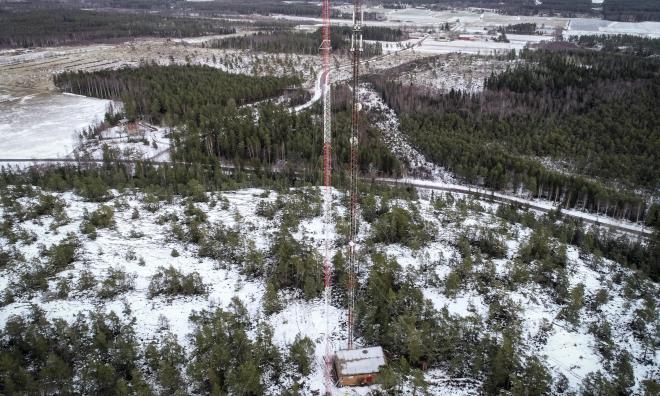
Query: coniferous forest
[(178, 249), (56, 26), (209, 104), (594, 115), (308, 43)]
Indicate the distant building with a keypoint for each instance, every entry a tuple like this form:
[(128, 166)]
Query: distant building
[(358, 366)]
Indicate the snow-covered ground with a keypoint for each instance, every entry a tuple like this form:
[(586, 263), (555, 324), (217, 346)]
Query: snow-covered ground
[(145, 142), (477, 45), (455, 72), (438, 178), (140, 246), (45, 125), (388, 123), (584, 26)]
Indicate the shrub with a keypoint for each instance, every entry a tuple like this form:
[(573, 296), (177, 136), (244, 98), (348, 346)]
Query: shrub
[(92, 188), (271, 301), (394, 314), (401, 226), (63, 254), (170, 282), (86, 281), (224, 359), (48, 205), (269, 209), (116, 282), (167, 359), (223, 244), (63, 288), (571, 312), (295, 265), (489, 244), (103, 217), (301, 354), (10, 256), (151, 203)]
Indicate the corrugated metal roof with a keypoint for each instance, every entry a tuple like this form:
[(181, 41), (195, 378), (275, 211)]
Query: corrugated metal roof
[(360, 361)]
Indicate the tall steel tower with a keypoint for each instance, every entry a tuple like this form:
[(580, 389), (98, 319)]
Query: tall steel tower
[(326, 47), (356, 50)]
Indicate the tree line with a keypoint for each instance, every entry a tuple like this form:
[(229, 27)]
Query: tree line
[(631, 11), (520, 28), (625, 43), (206, 103), (594, 112), (100, 353), (307, 43), (58, 26), (173, 94)]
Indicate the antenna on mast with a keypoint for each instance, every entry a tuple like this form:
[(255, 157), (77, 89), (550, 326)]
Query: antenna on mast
[(352, 367), (324, 83), (356, 50)]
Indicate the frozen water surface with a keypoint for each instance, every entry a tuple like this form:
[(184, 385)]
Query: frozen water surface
[(45, 125)]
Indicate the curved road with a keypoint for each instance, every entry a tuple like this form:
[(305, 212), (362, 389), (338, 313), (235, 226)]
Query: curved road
[(543, 206)]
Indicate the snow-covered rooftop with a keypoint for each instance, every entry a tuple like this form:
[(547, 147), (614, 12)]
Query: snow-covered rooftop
[(360, 361)]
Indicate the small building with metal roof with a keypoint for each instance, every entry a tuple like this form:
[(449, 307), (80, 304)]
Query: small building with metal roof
[(361, 366)]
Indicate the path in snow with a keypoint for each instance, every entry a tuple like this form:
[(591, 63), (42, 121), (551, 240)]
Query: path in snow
[(537, 204), (437, 178), (334, 75), (388, 123)]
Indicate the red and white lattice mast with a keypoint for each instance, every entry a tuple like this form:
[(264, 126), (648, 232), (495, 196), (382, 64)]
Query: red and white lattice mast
[(326, 47), (356, 50)]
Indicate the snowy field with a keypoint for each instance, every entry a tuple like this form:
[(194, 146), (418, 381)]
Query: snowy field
[(584, 26), (140, 246), (476, 45), (466, 21), (45, 125)]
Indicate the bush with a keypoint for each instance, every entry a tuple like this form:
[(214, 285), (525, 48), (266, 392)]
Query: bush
[(489, 244), (151, 203), (394, 314), (103, 217), (271, 301), (571, 312), (63, 289), (301, 354), (61, 255), (86, 281), (269, 209), (116, 282), (10, 256), (223, 244), (401, 226), (48, 205), (171, 282), (167, 360), (92, 188), (296, 265), (95, 354), (224, 359)]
